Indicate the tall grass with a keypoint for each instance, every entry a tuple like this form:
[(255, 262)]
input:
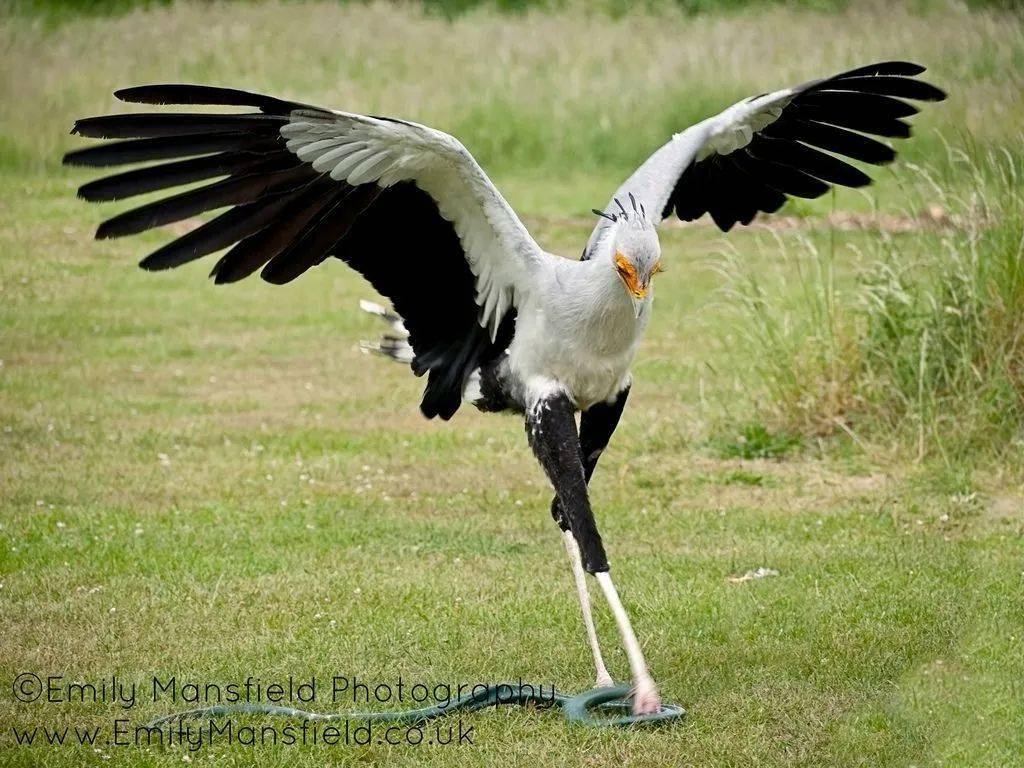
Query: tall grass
[(574, 91), (924, 344)]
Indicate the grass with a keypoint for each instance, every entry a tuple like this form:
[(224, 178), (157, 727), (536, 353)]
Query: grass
[(924, 346), (215, 483)]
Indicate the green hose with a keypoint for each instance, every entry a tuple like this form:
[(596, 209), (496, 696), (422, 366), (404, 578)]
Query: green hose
[(610, 701)]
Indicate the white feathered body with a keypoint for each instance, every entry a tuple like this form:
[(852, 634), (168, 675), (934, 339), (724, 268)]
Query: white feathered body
[(580, 336)]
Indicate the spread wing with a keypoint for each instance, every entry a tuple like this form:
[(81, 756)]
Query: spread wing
[(405, 205), (766, 148)]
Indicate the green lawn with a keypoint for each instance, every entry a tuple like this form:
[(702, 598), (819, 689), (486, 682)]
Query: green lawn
[(214, 483)]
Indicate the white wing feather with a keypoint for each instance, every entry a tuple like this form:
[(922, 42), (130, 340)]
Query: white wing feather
[(358, 149), (734, 128)]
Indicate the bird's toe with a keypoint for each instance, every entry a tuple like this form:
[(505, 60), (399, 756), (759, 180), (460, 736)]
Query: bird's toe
[(646, 699)]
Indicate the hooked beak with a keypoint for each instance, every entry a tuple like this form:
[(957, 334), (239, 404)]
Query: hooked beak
[(638, 304)]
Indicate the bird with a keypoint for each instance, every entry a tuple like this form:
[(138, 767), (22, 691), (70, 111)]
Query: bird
[(479, 308)]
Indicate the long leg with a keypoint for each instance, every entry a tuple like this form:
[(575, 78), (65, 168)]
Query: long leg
[(597, 424), (551, 430), (603, 678), (645, 697)]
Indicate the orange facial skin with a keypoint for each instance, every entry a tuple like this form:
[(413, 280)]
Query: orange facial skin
[(628, 274)]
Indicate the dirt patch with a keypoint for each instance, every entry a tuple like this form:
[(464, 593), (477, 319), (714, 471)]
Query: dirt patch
[(1007, 507)]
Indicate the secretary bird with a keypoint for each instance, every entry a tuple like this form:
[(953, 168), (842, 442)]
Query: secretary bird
[(490, 317)]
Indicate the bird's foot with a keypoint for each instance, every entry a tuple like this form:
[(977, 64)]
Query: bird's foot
[(604, 680), (646, 699)]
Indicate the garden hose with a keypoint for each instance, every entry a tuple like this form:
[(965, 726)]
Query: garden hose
[(610, 702)]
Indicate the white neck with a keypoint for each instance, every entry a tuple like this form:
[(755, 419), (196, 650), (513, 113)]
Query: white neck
[(611, 306)]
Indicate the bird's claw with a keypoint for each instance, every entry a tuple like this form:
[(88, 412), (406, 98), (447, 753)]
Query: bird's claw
[(646, 699)]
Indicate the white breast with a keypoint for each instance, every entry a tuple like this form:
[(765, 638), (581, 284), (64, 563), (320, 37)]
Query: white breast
[(580, 336)]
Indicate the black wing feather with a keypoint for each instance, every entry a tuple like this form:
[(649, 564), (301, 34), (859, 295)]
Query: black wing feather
[(867, 122), (165, 175), (157, 124), (257, 249), (833, 139), (688, 203), (784, 178), (276, 175), (841, 104), (884, 85), (759, 196), (818, 164), (316, 244), (167, 147), (721, 204), (786, 159), (900, 68), (179, 94), (284, 217), (221, 232), (435, 295)]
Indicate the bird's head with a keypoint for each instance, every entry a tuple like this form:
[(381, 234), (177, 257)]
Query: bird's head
[(636, 252)]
